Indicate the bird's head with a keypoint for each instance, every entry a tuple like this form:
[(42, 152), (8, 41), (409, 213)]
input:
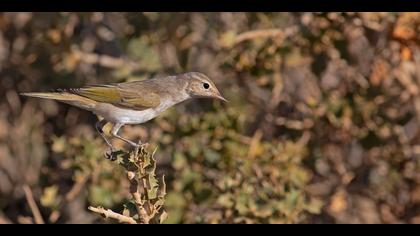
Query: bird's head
[(199, 85)]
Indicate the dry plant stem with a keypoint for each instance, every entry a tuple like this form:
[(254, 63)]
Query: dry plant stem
[(134, 190), (137, 164), (113, 215), (32, 204), (144, 209), (264, 33), (103, 60), (77, 187)]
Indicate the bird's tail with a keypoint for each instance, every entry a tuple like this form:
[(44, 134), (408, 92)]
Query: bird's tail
[(66, 97)]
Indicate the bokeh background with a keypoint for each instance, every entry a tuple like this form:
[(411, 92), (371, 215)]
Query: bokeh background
[(322, 124)]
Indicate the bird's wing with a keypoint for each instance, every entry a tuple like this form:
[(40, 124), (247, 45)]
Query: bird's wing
[(121, 96)]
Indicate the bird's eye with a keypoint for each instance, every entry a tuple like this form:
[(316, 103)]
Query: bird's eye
[(206, 85)]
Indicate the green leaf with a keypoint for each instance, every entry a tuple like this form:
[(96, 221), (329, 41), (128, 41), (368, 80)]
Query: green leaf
[(153, 187), (50, 197)]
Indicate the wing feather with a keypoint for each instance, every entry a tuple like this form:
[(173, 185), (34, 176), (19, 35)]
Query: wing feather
[(126, 97)]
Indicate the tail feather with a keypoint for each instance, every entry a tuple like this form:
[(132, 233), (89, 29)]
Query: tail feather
[(69, 98)]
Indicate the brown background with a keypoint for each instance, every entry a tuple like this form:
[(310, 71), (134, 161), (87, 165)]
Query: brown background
[(322, 124)]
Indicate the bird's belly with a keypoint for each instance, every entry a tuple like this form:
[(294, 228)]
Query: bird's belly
[(125, 116)]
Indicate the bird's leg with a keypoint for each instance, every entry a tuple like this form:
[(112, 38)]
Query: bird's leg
[(114, 133), (99, 127)]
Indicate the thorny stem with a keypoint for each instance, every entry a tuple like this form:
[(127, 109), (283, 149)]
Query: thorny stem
[(137, 197), (148, 210), (140, 167)]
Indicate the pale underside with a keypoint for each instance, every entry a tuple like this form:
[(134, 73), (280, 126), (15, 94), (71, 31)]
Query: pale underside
[(121, 115), (133, 102)]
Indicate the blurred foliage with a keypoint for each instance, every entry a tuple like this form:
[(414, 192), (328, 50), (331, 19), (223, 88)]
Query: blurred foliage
[(322, 124)]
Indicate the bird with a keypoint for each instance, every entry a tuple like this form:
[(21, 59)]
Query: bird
[(133, 102)]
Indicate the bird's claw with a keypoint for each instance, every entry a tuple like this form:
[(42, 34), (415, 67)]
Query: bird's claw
[(111, 154)]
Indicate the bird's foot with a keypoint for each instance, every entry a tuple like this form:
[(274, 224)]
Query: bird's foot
[(112, 154)]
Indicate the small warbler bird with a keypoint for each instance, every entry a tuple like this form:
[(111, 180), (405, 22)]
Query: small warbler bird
[(134, 102)]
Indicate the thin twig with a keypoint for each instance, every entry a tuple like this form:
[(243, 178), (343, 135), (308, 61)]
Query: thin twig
[(77, 187), (111, 214), (32, 204), (104, 60), (264, 33)]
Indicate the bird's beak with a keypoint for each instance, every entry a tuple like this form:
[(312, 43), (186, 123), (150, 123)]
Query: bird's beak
[(221, 98), (218, 95)]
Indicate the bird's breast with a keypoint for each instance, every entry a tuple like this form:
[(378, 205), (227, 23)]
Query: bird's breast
[(125, 116)]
